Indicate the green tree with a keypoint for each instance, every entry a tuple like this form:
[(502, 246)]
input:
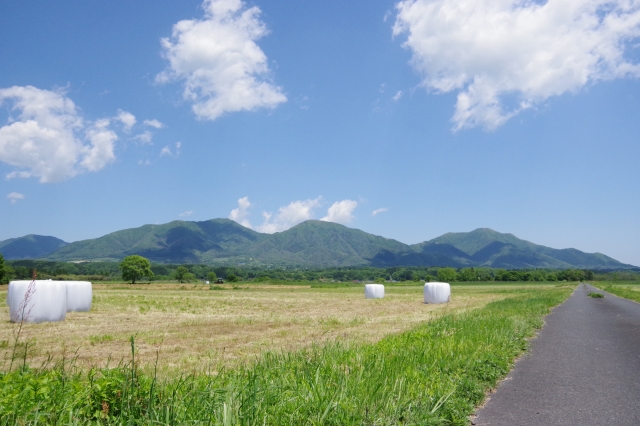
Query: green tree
[(3, 272), (135, 267), (467, 274), (180, 273), (447, 275), (212, 277), (232, 278), (189, 277)]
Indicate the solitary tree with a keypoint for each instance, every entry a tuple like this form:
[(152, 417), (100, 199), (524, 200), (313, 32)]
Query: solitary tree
[(135, 267), (212, 277)]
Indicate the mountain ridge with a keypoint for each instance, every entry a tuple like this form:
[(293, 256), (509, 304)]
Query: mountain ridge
[(30, 246), (315, 243)]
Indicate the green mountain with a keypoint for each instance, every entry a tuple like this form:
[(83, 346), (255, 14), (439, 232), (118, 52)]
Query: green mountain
[(317, 243), (174, 242), (486, 247), (30, 247)]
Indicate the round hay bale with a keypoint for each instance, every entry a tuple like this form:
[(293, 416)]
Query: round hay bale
[(373, 291), (79, 296), (46, 302), (437, 292)]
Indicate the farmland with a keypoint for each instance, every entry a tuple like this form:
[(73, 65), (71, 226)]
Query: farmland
[(191, 327), (275, 354)]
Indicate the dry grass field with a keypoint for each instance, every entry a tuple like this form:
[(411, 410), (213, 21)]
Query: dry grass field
[(191, 328)]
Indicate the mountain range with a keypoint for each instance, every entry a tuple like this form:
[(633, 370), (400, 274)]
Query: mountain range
[(309, 244), (30, 246)]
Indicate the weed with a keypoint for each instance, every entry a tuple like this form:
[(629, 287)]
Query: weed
[(22, 315), (93, 340), (631, 292), (595, 295)]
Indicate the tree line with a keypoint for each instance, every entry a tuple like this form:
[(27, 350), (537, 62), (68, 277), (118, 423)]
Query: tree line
[(113, 271)]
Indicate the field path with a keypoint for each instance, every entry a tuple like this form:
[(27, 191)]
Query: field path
[(583, 368)]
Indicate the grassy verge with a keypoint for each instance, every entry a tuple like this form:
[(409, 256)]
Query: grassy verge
[(435, 373), (626, 290)]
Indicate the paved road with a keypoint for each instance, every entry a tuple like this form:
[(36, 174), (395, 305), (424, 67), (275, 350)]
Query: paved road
[(583, 368)]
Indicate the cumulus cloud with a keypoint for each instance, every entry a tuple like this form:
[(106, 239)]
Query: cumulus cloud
[(378, 211), (153, 123), (14, 197), (241, 214), (293, 214), (101, 151), (217, 58), (145, 138), (341, 212), (504, 56), (187, 213), (288, 216), (167, 151), (48, 139), (127, 119)]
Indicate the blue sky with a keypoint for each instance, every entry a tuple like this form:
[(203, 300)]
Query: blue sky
[(439, 116)]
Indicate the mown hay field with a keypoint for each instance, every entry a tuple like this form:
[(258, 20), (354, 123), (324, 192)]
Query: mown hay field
[(192, 328)]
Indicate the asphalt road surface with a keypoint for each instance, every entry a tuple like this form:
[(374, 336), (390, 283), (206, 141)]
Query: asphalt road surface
[(583, 368)]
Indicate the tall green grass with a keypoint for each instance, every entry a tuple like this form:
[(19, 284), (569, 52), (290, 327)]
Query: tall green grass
[(434, 374), (627, 290)]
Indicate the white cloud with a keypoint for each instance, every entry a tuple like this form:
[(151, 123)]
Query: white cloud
[(16, 174), (144, 162), (127, 119), (378, 211), (14, 197), (494, 51), (293, 214), (288, 216), (397, 96), (145, 138), (341, 212), (241, 214), (46, 139), (167, 151), (153, 123), (101, 151), (222, 67), (187, 213)]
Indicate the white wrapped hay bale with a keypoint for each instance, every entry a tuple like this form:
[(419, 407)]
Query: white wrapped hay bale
[(437, 292), (11, 290), (79, 296), (9, 294), (47, 301), (373, 291)]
